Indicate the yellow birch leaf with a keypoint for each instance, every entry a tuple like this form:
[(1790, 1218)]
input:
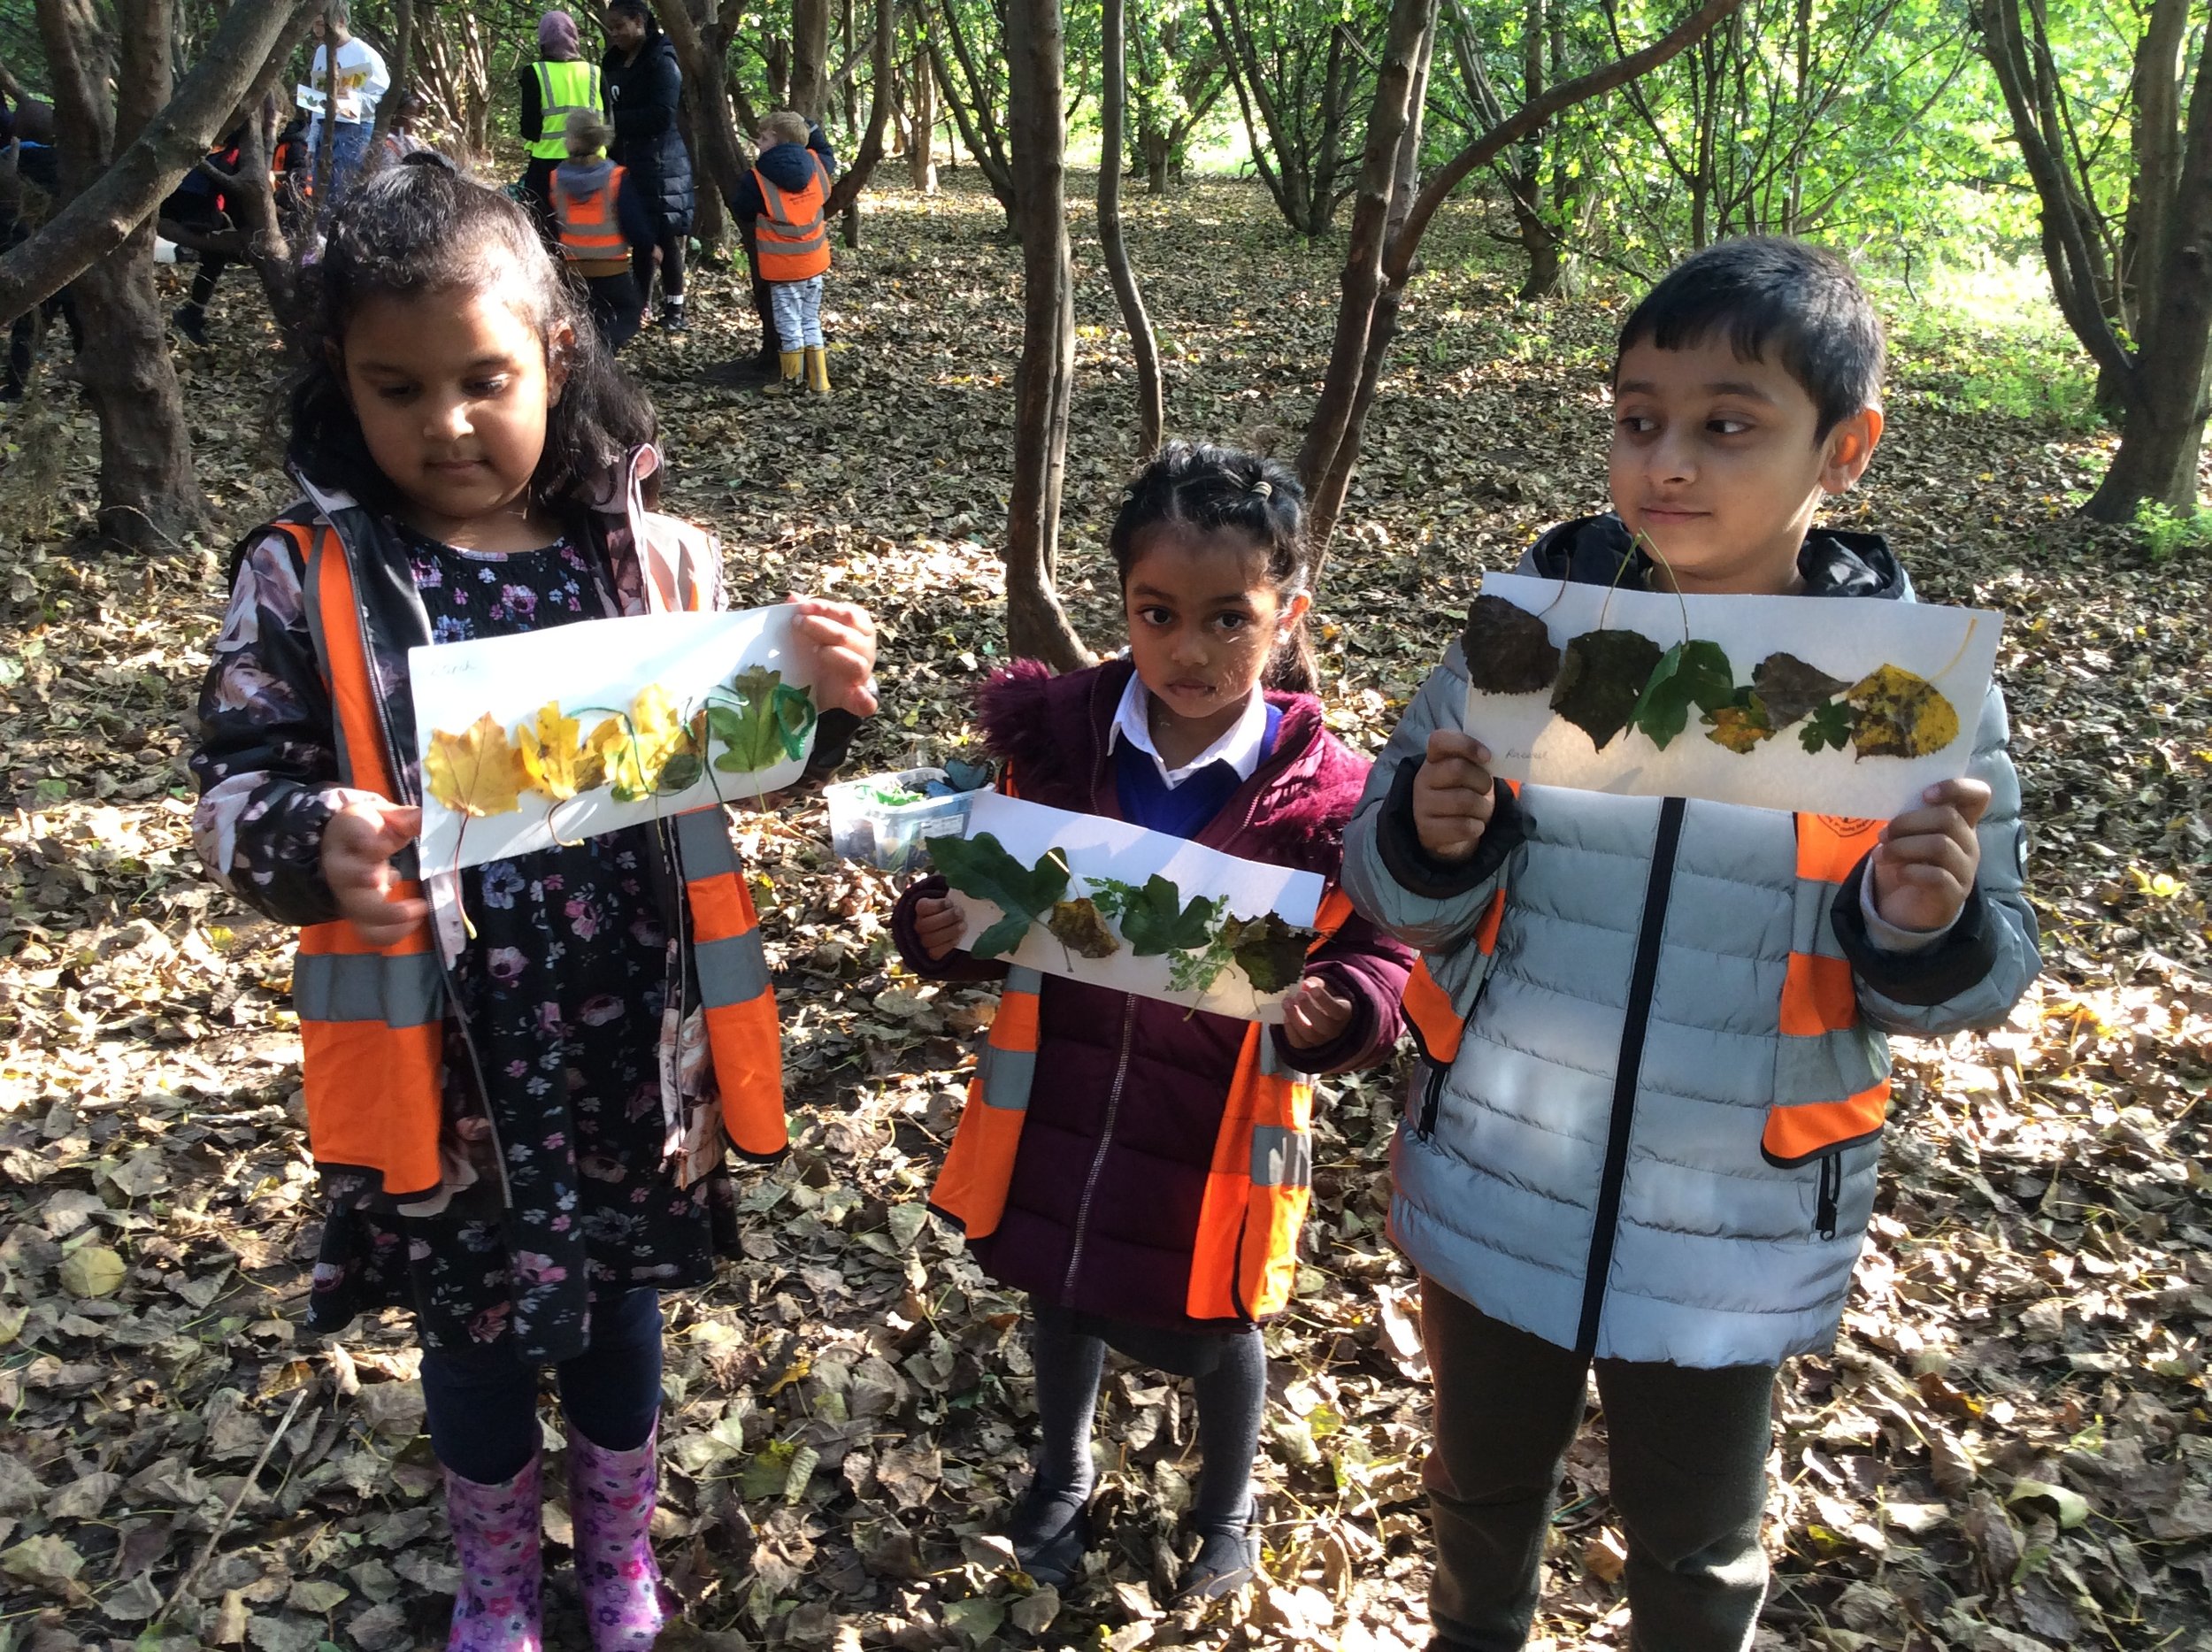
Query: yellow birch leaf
[(1896, 714), (554, 760), (476, 772)]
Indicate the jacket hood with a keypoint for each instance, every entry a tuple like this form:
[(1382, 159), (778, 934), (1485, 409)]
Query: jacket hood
[(1834, 562), (787, 166), (1055, 731), (587, 177)]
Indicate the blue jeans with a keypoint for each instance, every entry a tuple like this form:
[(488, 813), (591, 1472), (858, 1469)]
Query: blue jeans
[(798, 310), (348, 147), (483, 1402)]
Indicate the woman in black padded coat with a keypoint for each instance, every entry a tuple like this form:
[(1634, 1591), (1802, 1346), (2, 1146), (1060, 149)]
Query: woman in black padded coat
[(644, 87)]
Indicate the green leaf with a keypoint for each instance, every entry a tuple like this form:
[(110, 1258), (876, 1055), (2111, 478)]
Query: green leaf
[(1689, 673), (979, 867), (1828, 728), (1154, 920), (767, 724)]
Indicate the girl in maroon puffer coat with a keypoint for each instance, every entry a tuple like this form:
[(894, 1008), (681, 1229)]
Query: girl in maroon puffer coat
[(1208, 730)]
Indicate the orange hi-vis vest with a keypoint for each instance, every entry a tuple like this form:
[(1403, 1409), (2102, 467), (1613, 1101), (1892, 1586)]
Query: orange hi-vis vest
[(791, 236), (371, 1018), (1831, 1084), (585, 208), (1246, 1257)]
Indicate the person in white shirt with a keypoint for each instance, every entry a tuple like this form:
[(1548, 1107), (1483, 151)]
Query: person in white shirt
[(362, 79)]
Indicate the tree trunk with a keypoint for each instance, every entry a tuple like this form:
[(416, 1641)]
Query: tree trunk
[(717, 150), (326, 128), (1037, 627), (809, 57), (1395, 216), (921, 139), (1113, 103), (402, 67), (149, 498)]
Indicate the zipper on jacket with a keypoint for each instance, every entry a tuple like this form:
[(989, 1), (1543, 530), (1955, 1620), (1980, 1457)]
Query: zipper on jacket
[(1432, 1097), (1830, 1191), (1105, 1141), (1627, 1070)]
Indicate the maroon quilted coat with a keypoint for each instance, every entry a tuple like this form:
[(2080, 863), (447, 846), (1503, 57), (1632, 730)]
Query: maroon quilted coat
[(1102, 1214)]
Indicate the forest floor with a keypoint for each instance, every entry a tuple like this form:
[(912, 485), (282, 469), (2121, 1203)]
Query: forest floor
[(2010, 1446)]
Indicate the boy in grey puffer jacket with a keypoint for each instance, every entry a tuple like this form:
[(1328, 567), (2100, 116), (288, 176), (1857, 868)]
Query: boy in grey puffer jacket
[(1627, 1145)]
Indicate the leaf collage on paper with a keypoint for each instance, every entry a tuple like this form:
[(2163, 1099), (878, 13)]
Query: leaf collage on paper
[(1200, 937), (1609, 681), (654, 748)]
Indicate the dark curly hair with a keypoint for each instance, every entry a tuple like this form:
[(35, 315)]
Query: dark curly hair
[(1207, 487), (418, 229)]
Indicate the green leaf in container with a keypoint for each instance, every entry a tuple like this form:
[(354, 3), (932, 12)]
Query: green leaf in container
[(980, 867)]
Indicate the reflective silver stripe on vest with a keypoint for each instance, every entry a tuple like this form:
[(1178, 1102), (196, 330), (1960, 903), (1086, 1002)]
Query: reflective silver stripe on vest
[(731, 971), (1007, 1074), (790, 236), (406, 990), (702, 838), (1280, 1158), (549, 128)]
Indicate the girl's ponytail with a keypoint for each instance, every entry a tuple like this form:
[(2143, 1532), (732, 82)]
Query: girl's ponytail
[(1208, 488)]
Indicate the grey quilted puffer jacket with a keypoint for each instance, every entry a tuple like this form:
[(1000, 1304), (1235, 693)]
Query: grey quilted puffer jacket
[(1589, 1167)]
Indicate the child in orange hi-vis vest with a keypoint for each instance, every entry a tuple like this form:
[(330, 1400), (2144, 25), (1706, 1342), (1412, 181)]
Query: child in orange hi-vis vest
[(601, 226), (1148, 1195), (521, 1125)]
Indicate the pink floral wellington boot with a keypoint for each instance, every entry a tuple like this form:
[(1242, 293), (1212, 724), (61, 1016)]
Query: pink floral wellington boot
[(611, 1498), (495, 1531)]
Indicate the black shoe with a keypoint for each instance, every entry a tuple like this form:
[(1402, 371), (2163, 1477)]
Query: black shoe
[(1051, 1530), (192, 322), (1228, 1562), (672, 318)]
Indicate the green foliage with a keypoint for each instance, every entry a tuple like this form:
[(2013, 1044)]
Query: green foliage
[(1689, 673), (2167, 533), (1154, 919), (979, 866), (2034, 374)]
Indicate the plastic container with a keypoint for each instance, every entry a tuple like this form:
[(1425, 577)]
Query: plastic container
[(890, 836)]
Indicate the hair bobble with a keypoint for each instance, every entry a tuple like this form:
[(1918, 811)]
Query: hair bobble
[(1264, 490)]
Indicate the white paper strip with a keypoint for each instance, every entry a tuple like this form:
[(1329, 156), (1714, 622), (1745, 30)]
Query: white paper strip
[(594, 670), (1953, 649), (1098, 847)]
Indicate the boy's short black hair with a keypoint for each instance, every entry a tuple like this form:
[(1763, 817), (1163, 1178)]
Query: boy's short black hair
[(1767, 290)]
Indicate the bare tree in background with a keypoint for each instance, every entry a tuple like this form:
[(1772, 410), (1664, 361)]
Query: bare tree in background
[(125, 143), (1037, 626), (1112, 110), (1393, 210)]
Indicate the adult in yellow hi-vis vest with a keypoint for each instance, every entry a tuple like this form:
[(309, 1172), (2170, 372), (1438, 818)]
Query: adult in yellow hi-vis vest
[(555, 85), (1142, 1170)]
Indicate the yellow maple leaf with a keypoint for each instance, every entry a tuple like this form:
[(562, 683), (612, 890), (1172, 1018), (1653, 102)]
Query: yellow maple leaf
[(554, 760), (1896, 714), (476, 772)]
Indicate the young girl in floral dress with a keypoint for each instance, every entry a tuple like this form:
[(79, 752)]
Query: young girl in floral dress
[(521, 1120)]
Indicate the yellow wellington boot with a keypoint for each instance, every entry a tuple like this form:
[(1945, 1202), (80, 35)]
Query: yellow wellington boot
[(817, 369), (794, 379)]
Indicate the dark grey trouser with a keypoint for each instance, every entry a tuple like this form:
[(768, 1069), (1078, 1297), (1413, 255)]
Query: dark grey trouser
[(1688, 1451)]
